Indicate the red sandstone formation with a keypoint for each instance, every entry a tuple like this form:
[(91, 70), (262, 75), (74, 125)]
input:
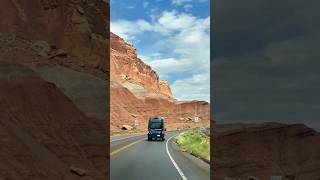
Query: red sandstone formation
[(137, 93), (125, 66)]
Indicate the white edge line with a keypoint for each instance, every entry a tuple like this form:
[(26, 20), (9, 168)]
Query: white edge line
[(174, 162), (124, 138)]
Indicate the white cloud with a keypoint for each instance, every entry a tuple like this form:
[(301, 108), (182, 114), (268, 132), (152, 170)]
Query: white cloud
[(167, 23), (128, 29), (194, 44), (190, 44), (169, 66), (196, 87), (171, 20)]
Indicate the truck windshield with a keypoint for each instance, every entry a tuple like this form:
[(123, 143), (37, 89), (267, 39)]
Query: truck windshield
[(155, 125)]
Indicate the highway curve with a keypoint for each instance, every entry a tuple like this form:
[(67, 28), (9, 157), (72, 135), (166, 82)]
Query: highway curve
[(135, 158)]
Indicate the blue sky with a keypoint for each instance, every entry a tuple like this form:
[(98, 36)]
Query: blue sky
[(172, 36)]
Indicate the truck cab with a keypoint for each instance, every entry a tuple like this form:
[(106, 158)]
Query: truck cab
[(156, 128)]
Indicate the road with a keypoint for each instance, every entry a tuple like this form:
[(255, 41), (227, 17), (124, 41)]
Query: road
[(135, 158)]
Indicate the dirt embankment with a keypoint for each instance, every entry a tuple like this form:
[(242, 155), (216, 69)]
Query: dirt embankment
[(261, 151), (43, 134)]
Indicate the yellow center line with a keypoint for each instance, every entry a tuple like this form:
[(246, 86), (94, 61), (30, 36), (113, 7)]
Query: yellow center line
[(125, 147)]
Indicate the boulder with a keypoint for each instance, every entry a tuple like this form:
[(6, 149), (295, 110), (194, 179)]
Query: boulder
[(126, 127)]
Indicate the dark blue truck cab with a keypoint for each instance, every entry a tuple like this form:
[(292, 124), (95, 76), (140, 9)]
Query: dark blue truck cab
[(156, 128)]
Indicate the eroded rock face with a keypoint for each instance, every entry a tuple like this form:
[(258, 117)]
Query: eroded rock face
[(177, 115), (75, 26), (264, 150), (125, 66)]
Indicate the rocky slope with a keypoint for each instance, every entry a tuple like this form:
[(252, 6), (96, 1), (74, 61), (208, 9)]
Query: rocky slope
[(253, 151), (77, 26), (53, 90), (50, 35), (137, 93), (43, 135), (55, 30)]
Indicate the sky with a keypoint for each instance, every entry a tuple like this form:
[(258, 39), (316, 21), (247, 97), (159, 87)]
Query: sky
[(173, 37), (266, 61)]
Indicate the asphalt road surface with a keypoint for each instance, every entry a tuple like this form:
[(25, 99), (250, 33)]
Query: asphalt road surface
[(135, 158)]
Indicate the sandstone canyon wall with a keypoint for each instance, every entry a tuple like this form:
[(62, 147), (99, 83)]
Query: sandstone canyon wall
[(137, 93), (125, 66)]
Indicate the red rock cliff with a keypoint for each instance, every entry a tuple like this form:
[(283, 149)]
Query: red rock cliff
[(125, 66), (130, 78)]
